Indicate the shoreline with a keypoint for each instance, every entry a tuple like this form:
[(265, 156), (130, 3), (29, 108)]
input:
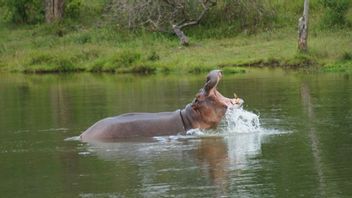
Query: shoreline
[(102, 50)]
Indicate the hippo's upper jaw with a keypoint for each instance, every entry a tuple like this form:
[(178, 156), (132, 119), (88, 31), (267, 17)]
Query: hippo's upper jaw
[(212, 81)]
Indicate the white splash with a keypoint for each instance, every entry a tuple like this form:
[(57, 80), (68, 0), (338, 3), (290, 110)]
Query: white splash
[(74, 138), (239, 121), (235, 121)]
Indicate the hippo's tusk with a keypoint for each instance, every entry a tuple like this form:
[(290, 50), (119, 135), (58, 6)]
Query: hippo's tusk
[(235, 95)]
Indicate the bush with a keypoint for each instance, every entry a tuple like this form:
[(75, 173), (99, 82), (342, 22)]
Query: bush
[(33, 11), (50, 63), (347, 56), (143, 69), (335, 12), (233, 70), (23, 11), (72, 8), (345, 67), (83, 38), (232, 16), (126, 58), (3, 48), (122, 62), (153, 56)]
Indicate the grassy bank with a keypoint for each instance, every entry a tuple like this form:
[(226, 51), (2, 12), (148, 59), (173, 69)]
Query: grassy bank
[(65, 48)]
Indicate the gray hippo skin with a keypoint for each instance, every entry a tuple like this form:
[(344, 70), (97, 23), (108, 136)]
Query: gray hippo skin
[(206, 111)]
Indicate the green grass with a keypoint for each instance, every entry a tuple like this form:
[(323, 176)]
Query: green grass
[(67, 48), (344, 65)]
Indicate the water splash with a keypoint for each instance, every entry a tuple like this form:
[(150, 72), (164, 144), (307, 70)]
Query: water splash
[(74, 138), (236, 120), (239, 121)]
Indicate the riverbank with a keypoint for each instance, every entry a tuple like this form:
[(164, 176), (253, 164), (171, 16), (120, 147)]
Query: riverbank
[(53, 49)]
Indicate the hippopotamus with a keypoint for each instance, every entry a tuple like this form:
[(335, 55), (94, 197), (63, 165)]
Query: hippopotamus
[(204, 112)]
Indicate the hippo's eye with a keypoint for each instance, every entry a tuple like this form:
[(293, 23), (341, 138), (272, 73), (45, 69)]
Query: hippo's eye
[(195, 101)]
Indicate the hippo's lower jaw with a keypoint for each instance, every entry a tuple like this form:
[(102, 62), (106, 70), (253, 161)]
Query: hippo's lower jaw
[(236, 103), (206, 111)]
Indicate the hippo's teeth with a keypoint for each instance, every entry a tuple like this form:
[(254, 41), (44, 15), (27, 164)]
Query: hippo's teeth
[(235, 95)]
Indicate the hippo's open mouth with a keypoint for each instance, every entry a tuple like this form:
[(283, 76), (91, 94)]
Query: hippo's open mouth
[(212, 82), (231, 102)]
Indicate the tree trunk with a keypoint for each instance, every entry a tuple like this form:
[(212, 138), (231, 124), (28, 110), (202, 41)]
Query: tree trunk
[(54, 10), (303, 28), (179, 33), (206, 4)]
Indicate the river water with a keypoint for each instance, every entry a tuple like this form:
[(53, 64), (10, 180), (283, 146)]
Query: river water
[(293, 138)]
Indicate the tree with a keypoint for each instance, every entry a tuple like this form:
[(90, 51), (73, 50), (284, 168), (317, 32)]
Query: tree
[(160, 15), (176, 16), (54, 10), (177, 28), (303, 28)]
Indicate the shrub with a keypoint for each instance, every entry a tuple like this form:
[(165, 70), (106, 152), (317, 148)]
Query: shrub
[(347, 56), (3, 48), (72, 8), (23, 11), (233, 70), (83, 38), (122, 62), (335, 12), (153, 56), (50, 63), (143, 69), (199, 69), (338, 67), (127, 58)]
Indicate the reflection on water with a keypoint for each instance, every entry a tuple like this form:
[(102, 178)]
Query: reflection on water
[(231, 147), (312, 134), (240, 134)]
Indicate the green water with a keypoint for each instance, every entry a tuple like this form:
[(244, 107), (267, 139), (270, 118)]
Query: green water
[(304, 151)]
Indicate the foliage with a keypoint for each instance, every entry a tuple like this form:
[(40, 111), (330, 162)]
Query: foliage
[(233, 70), (227, 18), (157, 15), (47, 62), (160, 15), (126, 61), (233, 33), (344, 64), (247, 16), (22, 11), (32, 11), (347, 56), (345, 67), (335, 12), (72, 8)]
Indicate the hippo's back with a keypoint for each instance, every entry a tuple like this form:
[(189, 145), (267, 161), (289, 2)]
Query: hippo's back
[(135, 125)]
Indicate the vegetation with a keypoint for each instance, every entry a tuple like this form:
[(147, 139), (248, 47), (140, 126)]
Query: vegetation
[(231, 34)]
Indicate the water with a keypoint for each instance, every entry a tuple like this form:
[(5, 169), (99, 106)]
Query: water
[(292, 139)]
